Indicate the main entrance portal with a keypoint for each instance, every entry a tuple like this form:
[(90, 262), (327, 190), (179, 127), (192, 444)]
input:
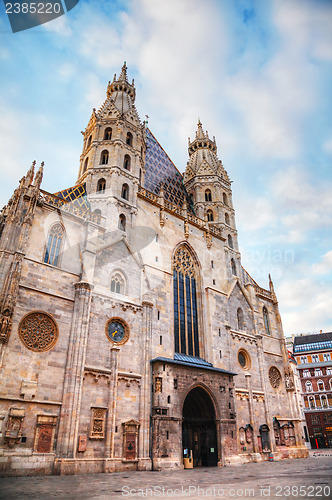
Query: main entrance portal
[(199, 432)]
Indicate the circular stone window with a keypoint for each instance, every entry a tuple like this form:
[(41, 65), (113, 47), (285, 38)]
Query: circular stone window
[(244, 359), (38, 331), (117, 331), (274, 377)]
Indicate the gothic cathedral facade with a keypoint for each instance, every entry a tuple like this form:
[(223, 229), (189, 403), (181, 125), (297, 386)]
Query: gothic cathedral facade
[(130, 335)]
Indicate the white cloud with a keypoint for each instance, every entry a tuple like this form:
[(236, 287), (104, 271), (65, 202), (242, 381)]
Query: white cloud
[(324, 266), (327, 146), (305, 305)]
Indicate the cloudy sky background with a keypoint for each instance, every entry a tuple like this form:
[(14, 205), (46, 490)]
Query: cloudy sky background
[(256, 72)]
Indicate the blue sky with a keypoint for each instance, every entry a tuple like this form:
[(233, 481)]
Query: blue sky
[(257, 73)]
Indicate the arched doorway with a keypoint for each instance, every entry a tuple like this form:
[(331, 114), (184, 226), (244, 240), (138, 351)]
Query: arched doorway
[(199, 432)]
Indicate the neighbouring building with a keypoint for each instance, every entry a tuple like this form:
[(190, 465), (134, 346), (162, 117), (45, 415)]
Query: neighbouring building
[(313, 355), (130, 334)]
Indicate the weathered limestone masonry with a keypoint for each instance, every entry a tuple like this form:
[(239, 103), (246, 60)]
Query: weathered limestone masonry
[(131, 338)]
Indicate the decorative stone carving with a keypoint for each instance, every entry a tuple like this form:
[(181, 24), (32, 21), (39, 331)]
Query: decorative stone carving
[(38, 331), (274, 377), (130, 439), (158, 384), (81, 447), (14, 426), (45, 433), (289, 381), (184, 263), (244, 337), (5, 327), (97, 428)]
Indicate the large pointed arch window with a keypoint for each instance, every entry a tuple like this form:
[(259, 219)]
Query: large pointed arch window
[(185, 275), (54, 244)]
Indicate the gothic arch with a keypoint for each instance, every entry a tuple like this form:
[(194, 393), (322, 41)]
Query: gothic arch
[(54, 244), (108, 134), (104, 157), (187, 314), (119, 282), (209, 392), (101, 185)]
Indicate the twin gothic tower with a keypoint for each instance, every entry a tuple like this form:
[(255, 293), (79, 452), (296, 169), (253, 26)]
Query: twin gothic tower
[(112, 165)]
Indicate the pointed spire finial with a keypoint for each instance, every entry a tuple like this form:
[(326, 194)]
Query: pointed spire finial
[(271, 284), (123, 74), (39, 176)]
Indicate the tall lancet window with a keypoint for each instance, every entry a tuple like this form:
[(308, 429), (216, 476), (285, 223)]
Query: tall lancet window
[(185, 273), (54, 243)]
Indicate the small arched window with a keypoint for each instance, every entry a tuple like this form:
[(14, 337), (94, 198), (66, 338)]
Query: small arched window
[(126, 162), (140, 175), (88, 144), (125, 192), (108, 134), (266, 321), (104, 157), (233, 266), (118, 283), (324, 401), (122, 222), (230, 241), (227, 219), (97, 211), (208, 195), (129, 139), (312, 402), (320, 385), (85, 164), (101, 186), (224, 199), (209, 215), (240, 319), (54, 244), (308, 386)]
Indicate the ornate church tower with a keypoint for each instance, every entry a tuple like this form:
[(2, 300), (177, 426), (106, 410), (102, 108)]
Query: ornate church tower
[(209, 186), (112, 161)]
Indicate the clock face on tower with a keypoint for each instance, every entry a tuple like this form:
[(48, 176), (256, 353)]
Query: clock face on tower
[(117, 331)]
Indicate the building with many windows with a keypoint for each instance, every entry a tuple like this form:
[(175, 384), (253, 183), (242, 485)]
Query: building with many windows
[(313, 354), (130, 335)]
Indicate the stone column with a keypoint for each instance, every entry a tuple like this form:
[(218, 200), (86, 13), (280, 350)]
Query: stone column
[(144, 460), (110, 425), (251, 413), (72, 390)]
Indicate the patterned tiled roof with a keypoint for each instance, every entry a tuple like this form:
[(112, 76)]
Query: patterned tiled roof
[(246, 278), (76, 195), (159, 169)]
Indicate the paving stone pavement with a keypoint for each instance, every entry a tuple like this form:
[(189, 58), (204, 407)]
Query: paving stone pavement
[(272, 480)]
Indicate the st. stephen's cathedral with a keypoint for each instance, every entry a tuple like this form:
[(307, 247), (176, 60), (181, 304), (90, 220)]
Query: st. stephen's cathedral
[(130, 335)]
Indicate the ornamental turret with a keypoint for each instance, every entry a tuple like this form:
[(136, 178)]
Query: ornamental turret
[(209, 188), (112, 161)]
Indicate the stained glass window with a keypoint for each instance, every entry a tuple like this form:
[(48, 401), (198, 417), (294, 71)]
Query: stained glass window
[(53, 246), (185, 303)]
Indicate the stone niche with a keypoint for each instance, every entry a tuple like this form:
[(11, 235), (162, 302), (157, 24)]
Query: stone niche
[(45, 430), (130, 440), (13, 431)]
